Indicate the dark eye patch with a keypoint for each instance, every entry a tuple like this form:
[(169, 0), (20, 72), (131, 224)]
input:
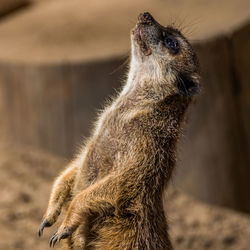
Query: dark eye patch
[(172, 44), (187, 86)]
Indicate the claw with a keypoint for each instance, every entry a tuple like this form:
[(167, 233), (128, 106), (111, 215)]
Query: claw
[(57, 237), (53, 240), (44, 224)]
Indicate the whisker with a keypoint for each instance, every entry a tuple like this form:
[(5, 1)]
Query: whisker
[(182, 83), (127, 58), (131, 21)]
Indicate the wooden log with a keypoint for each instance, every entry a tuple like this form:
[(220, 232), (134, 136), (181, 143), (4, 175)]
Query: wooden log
[(214, 155), (54, 75), (53, 106), (9, 6), (61, 30)]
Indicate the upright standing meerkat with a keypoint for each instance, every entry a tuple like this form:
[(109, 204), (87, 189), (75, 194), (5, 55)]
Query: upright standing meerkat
[(113, 190)]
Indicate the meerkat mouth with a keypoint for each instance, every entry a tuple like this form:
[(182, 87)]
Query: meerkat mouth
[(141, 41), (146, 32)]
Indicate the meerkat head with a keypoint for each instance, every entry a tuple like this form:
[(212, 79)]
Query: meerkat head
[(164, 57)]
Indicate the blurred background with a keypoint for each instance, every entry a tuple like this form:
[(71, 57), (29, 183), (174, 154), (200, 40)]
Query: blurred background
[(60, 60)]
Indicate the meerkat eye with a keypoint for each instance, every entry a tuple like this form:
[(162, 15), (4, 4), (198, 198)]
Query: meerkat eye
[(172, 44)]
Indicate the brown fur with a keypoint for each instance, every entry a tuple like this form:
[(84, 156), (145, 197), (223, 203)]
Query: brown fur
[(114, 187)]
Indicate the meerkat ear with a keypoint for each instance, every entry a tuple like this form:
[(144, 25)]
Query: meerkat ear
[(187, 86)]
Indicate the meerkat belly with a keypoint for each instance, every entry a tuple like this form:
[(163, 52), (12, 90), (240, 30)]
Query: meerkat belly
[(115, 144)]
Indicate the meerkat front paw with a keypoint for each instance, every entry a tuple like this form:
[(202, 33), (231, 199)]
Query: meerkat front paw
[(73, 218), (45, 223), (60, 195), (58, 235), (62, 233), (48, 221)]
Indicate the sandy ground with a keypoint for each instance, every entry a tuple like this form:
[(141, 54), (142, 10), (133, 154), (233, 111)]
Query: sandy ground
[(25, 181), (76, 30)]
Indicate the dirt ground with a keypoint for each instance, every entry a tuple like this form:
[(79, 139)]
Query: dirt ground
[(25, 180)]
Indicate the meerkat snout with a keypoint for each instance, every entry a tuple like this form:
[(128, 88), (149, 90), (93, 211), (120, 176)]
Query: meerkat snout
[(145, 18), (165, 56)]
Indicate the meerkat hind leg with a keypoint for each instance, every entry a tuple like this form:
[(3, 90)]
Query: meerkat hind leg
[(59, 196)]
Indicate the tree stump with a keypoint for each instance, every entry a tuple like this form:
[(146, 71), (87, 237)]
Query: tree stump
[(60, 60)]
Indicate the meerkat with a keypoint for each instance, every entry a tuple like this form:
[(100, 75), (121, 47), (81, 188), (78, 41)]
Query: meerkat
[(113, 189)]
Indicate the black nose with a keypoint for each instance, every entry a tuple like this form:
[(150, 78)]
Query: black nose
[(145, 18)]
